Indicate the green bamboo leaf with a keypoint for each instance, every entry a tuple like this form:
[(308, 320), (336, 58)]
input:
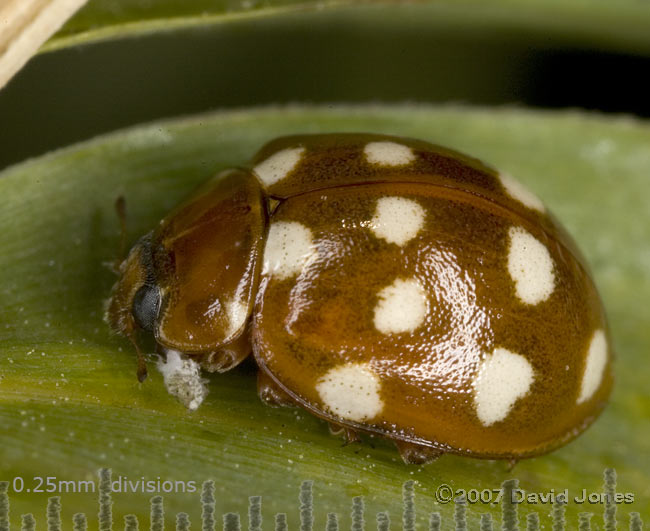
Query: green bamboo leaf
[(69, 399), (618, 24), (203, 54)]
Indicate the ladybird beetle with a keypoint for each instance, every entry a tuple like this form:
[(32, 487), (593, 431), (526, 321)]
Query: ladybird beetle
[(387, 285)]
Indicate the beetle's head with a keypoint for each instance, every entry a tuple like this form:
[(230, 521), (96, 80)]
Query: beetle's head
[(135, 298)]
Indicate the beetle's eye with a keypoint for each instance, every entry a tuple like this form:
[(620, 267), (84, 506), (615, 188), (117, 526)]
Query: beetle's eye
[(145, 306)]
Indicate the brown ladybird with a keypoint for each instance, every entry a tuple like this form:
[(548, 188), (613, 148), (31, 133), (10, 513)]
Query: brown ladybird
[(388, 286)]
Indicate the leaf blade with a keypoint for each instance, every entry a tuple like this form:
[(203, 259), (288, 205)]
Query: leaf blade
[(59, 229)]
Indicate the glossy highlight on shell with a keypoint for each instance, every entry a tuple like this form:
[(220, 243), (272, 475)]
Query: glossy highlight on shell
[(388, 286)]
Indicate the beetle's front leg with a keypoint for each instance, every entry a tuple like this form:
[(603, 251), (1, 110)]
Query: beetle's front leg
[(228, 356)]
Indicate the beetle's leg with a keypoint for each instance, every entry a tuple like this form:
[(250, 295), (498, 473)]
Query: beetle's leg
[(511, 463), (271, 393), (228, 356), (349, 435), (417, 454), (335, 429)]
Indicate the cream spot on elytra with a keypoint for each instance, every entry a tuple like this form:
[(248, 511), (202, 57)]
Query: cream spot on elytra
[(351, 391), (388, 154), (594, 366), (402, 307), (289, 246), (182, 377), (397, 219), (518, 191), (531, 267), (503, 378), (278, 165)]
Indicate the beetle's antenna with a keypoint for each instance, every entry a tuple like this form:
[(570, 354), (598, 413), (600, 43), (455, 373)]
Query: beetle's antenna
[(141, 371), (142, 368), (142, 364), (120, 209)]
